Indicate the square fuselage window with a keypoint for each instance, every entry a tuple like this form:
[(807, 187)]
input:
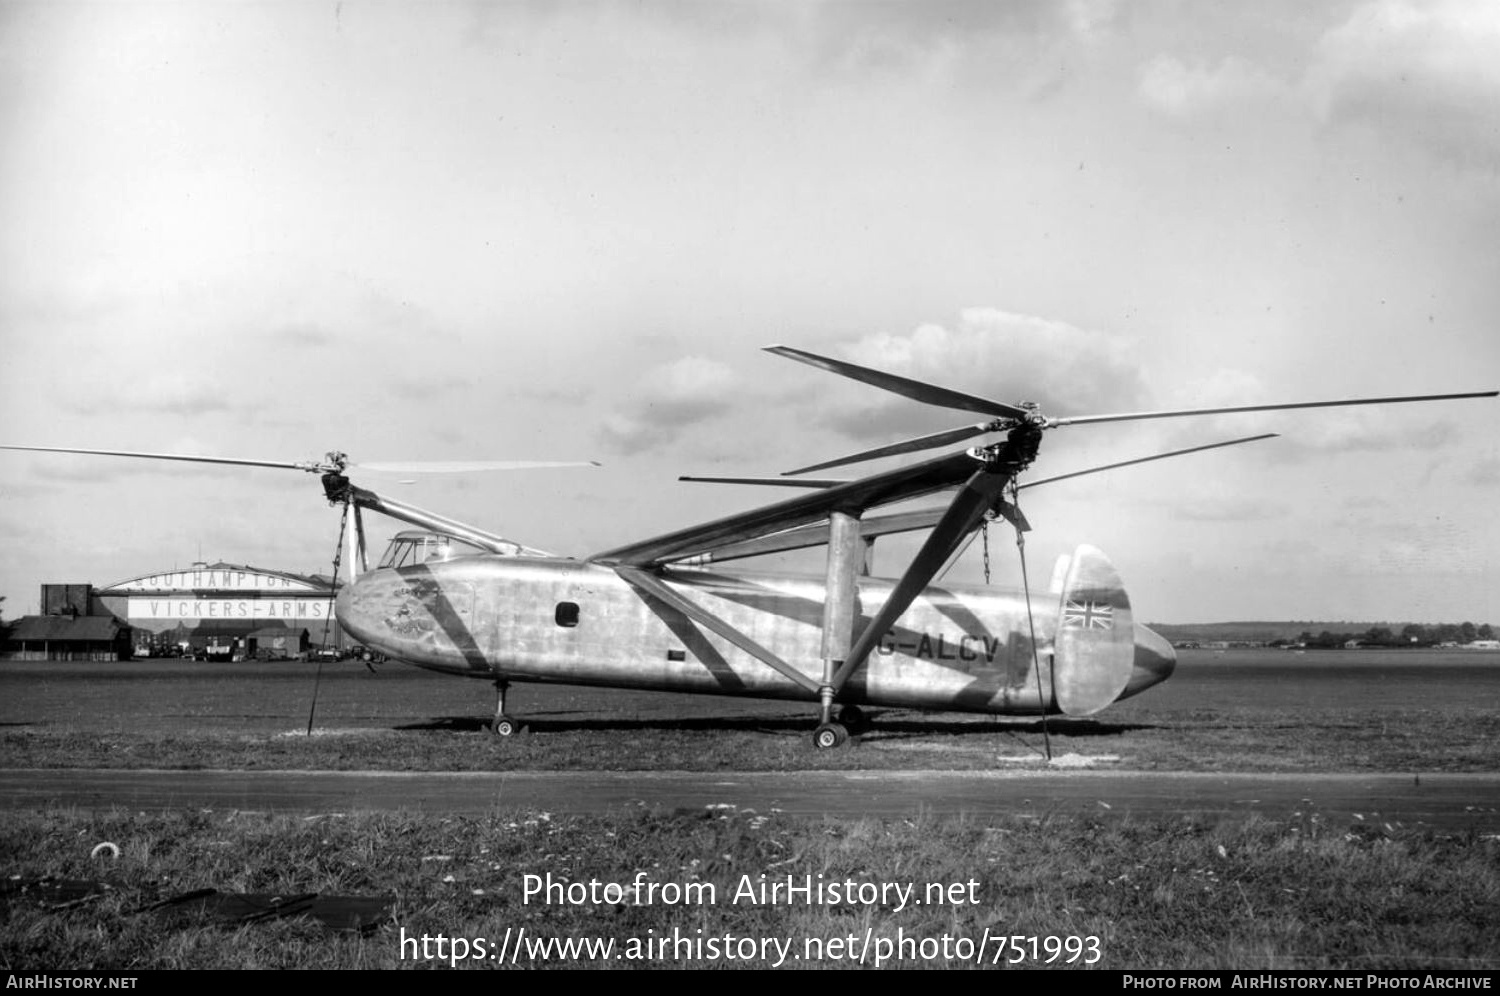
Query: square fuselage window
[(567, 614)]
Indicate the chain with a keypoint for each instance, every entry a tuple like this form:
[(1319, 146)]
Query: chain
[(984, 531)]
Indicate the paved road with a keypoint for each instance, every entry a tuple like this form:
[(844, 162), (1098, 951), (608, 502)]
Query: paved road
[(1447, 802)]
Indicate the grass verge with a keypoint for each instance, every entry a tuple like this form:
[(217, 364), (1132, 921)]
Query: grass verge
[(1171, 893), (1208, 740)]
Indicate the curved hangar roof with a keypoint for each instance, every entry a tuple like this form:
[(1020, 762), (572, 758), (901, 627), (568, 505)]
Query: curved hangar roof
[(220, 577), (219, 595)]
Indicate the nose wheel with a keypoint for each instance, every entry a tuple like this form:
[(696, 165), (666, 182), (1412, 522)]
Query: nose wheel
[(503, 725)]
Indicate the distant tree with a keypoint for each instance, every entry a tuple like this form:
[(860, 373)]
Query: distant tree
[(1486, 632), (1414, 633), (1446, 633)]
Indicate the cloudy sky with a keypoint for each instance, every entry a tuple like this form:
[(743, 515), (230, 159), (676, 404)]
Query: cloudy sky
[(564, 231)]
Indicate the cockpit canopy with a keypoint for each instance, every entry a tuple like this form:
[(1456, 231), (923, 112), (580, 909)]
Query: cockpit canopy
[(415, 546)]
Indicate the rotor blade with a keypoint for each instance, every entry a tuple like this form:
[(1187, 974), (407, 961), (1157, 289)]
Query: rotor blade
[(816, 534), (1131, 416), (886, 488), (929, 441), (928, 394), (463, 466), (775, 482), (975, 498), (1159, 456), (826, 482), (310, 466)]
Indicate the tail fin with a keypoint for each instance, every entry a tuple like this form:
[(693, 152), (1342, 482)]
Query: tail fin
[(1094, 651)]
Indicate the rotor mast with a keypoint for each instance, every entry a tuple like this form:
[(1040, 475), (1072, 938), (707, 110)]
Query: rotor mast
[(340, 490)]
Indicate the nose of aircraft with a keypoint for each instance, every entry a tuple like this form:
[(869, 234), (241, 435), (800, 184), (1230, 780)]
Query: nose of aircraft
[(377, 611), (352, 615), (422, 614), (1154, 661)]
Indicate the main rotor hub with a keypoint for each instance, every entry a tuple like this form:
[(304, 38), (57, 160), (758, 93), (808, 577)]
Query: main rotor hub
[(336, 486), (1024, 441), (1016, 452), (1034, 414)]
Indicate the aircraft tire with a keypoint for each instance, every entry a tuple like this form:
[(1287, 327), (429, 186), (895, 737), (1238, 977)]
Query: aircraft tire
[(504, 726), (829, 736)]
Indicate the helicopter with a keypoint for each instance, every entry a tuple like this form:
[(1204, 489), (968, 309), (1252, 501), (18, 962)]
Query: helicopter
[(664, 614)]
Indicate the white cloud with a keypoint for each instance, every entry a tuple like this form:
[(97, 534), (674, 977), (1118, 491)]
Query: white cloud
[(998, 355), (1091, 18), (1483, 472), (423, 386), (1228, 508), (1427, 73), (1181, 90), (170, 392), (672, 398)]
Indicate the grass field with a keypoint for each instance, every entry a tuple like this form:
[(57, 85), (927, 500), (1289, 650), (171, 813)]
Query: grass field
[(1110, 894), (1242, 711), (1351, 740), (1173, 892)]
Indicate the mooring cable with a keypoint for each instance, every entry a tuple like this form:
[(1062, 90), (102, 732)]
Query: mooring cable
[(333, 588), (1036, 664)]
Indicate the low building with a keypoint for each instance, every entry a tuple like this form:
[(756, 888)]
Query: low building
[(67, 638)]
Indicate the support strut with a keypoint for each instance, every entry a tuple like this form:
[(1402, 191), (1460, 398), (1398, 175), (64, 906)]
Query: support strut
[(846, 556), (503, 725)]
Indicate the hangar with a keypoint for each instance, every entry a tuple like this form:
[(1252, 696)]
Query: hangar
[(216, 610), (225, 610)]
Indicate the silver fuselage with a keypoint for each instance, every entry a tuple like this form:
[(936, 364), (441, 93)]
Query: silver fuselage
[(958, 647)]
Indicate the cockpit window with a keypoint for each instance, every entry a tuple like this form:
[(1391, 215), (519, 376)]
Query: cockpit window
[(420, 548)]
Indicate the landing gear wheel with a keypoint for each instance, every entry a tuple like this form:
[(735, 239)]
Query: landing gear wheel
[(830, 735), (504, 726)]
